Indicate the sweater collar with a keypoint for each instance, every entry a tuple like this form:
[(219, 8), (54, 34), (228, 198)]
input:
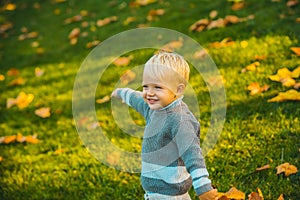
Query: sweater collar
[(173, 104)]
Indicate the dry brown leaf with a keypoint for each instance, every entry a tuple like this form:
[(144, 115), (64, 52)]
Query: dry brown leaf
[(218, 23), (5, 26), (263, 168), (43, 112), (236, 194), (17, 81), (287, 169), (199, 25), (92, 44), (76, 18), (103, 100)]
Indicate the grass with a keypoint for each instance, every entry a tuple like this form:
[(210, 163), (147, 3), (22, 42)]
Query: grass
[(255, 132)]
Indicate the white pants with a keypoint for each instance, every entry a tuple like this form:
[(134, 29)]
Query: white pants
[(155, 196)]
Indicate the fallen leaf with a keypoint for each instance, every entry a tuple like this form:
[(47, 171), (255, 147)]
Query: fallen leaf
[(200, 54), (122, 61), (153, 13), (76, 18), (2, 77), (32, 139), (74, 33), (252, 67), (137, 3), (255, 88), (113, 158), (296, 50), (263, 168), (199, 25), (92, 44), (1, 158), (38, 72), (260, 57), (5, 26), (213, 14), (292, 3), (129, 20), (280, 197), (287, 169), (18, 81), (297, 20), (236, 194), (238, 6), (218, 23), (244, 44), (224, 43), (173, 45), (285, 76), (290, 95), (107, 20), (43, 112), (10, 7), (103, 100), (255, 196), (59, 151), (20, 138), (127, 77), (13, 72), (9, 139), (296, 72), (232, 19), (297, 86), (30, 35)]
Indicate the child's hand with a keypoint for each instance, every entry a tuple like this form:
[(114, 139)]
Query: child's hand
[(210, 195), (114, 93)]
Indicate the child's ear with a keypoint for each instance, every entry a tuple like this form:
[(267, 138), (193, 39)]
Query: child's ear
[(180, 89)]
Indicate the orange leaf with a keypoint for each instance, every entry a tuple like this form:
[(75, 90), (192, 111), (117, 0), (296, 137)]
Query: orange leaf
[(74, 33), (256, 89), (2, 77), (9, 139), (107, 20), (1, 159), (43, 112), (137, 3), (10, 7), (127, 77), (218, 23), (92, 44), (20, 138), (103, 100), (286, 168), (199, 25), (255, 196), (280, 197), (296, 50), (290, 95), (236, 194), (213, 14), (18, 81), (238, 6), (122, 61), (13, 72), (152, 13), (31, 139), (292, 3), (263, 167), (224, 43), (73, 19)]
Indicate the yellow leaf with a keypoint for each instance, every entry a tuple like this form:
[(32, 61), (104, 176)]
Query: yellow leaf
[(23, 100), (288, 82), (213, 14), (296, 72), (2, 77), (92, 44), (286, 168), (43, 112), (1, 159), (256, 89), (103, 100), (10, 7), (236, 194), (263, 167), (290, 95), (238, 6), (20, 138), (244, 44), (38, 72)]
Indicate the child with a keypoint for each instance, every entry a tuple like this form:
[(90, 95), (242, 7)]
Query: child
[(172, 160)]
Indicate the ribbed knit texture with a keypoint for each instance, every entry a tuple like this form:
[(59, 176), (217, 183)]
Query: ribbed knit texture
[(172, 160)]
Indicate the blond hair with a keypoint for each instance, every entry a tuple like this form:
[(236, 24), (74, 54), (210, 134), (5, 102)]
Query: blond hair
[(165, 64)]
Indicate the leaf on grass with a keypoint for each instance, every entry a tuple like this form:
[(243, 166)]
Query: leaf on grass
[(260, 57), (173, 45), (292, 3), (13, 72), (38, 72), (103, 100), (296, 72), (10, 7), (290, 95), (107, 20), (252, 67), (296, 50), (30, 35), (59, 151), (280, 197), (122, 61), (43, 112), (2, 77), (213, 14), (263, 168), (1, 158), (5, 27), (137, 3), (256, 195), (287, 169), (76, 18), (238, 6), (127, 77), (224, 43), (285, 76), (9, 139), (233, 193), (255, 88), (22, 101), (129, 20), (73, 36), (154, 13), (18, 81), (92, 44)]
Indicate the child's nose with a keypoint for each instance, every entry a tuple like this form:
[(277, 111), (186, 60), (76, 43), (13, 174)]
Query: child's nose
[(150, 92)]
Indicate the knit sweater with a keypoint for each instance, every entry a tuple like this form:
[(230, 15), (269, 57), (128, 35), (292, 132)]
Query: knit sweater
[(172, 160)]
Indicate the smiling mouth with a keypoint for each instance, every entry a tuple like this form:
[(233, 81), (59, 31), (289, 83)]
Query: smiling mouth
[(152, 101)]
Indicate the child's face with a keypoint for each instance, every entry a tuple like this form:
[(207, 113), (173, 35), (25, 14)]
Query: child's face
[(157, 94)]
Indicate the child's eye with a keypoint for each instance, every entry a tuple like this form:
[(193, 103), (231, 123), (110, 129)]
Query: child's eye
[(158, 87), (145, 86)]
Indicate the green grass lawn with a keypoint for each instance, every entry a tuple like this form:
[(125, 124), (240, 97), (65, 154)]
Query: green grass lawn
[(256, 132)]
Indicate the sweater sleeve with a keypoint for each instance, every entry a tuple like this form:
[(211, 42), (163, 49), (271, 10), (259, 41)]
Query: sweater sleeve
[(134, 99), (188, 144)]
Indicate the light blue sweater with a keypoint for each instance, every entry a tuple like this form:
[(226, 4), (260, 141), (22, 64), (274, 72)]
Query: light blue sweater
[(172, 159)]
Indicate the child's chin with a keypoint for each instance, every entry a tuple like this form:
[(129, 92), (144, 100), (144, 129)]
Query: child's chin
[(154, 107)]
